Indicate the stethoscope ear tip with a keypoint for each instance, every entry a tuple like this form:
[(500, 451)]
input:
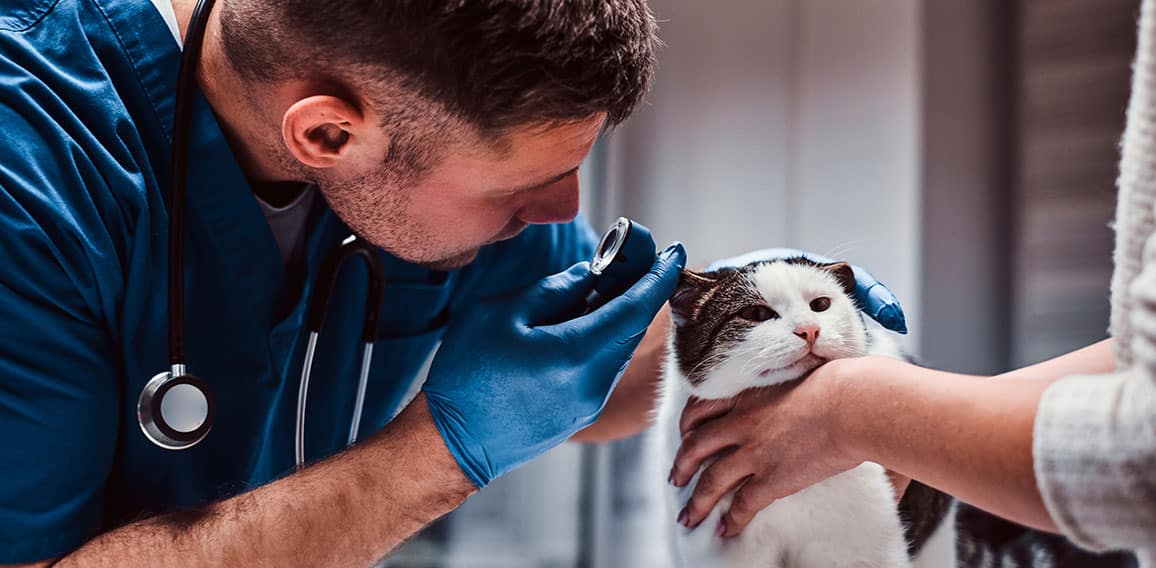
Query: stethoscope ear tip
[(175, 413)]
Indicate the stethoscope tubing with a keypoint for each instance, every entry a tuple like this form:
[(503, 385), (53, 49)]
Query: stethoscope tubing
[(182, 117), (315, 319), (362, 384), (303, 394), (153, 424), (302, 399)]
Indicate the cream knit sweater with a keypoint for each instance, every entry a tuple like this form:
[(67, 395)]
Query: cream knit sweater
[(1095, 436)]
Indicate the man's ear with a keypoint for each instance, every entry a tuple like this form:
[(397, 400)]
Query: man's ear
[(319, 130), (693, 288)]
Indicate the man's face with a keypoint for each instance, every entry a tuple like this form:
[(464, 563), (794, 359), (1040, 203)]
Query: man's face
[(471, 198)]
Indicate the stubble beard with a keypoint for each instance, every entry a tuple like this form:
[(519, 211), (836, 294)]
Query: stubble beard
[(378, 212)]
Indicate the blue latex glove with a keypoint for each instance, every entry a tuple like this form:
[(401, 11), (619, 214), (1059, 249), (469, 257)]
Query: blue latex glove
[(874, 297), (520, 374)]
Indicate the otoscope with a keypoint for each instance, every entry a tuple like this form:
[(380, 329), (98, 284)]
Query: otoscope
[(624, 255)]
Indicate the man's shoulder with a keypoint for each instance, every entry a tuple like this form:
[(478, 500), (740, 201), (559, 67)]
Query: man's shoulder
[(25, 15), (88, 66), (82, 127), (20, 15), (59, 167)]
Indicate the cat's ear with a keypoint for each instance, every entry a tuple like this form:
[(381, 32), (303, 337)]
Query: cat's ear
[(844, 274), (692, 288)]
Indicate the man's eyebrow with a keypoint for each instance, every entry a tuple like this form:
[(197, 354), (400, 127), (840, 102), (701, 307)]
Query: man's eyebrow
[(550, 181)]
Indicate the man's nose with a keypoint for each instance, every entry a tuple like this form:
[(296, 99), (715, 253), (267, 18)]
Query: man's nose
[(556, 203)]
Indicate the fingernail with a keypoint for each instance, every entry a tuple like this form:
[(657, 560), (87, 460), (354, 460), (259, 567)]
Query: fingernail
[(892, 318), (721, 531), (683, 517), (682, 257)]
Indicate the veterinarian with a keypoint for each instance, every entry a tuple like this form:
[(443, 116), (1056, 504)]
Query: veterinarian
[(187, 397), (1067, 445)]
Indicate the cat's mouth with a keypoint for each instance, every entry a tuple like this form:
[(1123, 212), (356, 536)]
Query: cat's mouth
[(804, 363)]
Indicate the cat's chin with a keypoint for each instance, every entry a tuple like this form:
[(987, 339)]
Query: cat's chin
[(794, 371), (725, 385)]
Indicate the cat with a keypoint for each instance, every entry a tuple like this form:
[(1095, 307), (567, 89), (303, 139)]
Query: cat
[(763, 324)]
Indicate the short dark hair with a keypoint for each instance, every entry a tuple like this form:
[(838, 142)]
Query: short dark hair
[(496, 64)]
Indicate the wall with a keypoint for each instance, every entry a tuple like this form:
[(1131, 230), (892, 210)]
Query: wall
[(782, 123)]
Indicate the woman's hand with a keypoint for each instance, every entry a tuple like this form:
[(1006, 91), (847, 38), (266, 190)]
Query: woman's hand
[(770, 443)]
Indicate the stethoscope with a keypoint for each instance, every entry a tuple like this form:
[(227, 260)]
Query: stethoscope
[(176, 408)]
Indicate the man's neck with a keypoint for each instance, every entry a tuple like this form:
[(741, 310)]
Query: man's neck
[(227, 94)]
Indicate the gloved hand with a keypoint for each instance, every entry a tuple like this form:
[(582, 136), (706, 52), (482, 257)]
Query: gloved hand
[(874, 297), (520, 374)]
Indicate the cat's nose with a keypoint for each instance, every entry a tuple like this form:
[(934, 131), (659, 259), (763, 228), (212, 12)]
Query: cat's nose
[(808, 333)]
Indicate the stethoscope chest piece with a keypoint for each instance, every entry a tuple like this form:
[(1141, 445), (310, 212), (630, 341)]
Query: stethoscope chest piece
[(175, 412)]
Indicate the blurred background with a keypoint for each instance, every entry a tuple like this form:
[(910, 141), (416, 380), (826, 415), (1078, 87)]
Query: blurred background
[(964, 150)]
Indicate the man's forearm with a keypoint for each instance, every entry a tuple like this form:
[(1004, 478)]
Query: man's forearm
[(349, 510), (631, 406)]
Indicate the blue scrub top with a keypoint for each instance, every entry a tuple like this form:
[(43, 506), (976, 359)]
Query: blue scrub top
[(86, 109)]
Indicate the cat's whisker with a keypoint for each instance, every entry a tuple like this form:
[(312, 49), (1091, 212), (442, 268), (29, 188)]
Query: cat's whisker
[(710, 359), (751, 366), (841, 249)]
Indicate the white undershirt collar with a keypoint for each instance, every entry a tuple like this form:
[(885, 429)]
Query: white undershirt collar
[(165, 7)]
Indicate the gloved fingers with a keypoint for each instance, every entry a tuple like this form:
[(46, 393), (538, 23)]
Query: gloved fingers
[(891, 317), (558, 297), (627, 316), (631, 312), (878, 301), (607, 386)]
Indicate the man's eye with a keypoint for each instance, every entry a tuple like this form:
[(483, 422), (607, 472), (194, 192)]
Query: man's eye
[(820, 304), (758, 313)]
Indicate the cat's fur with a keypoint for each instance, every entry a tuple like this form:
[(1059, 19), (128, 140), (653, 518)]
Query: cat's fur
[(717, 350)]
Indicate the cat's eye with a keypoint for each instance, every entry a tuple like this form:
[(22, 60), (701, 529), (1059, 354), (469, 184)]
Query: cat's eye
[(820, 304), (758, 313)]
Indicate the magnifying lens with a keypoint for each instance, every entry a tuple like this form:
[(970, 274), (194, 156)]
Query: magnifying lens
[(624, 255)]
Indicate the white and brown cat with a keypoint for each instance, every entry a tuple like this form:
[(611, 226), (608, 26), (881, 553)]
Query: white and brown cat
[(768, 323)]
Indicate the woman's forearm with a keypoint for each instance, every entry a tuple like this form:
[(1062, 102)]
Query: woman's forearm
[(968, 436), (1092, 360)]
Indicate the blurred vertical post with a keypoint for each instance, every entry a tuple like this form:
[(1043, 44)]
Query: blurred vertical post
[(967, 192), (1072, 77), (595, 498)]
